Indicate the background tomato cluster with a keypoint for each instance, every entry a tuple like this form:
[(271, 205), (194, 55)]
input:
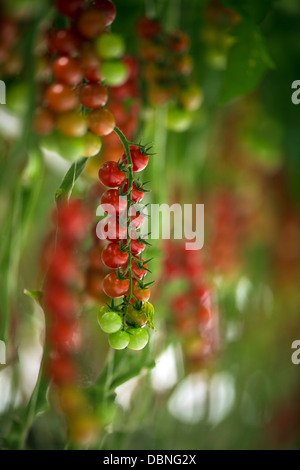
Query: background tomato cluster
[(209, 86)]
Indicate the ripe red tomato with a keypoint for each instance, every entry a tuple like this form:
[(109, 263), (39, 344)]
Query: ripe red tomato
[(139, 160), (44, 121), (111, 176), (59, 301), (101, 122), (63, 42), (93, 95), (67, 70), (148, 28), (62, 266), (91, 23), (111, 230), (90, 65), (137, 247), (60, 98), (111, 197), (137, 221), (61, 370), (113, 257), (72, 218), (114, 287), (107, 9), (136, 195), (140, 294), (70, 8), (136, 271), (64, 336)]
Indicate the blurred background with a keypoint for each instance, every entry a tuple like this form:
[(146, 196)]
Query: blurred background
[(209, 85)]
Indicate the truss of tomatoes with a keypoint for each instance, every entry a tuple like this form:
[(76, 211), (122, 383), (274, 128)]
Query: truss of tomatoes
[(72, 116), (167, 71), (125, 323)]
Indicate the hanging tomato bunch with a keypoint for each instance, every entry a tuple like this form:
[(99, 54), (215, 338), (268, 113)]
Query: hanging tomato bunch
[(72, 116), (121, 228), (193, 310), (62, 302), (167, 71)]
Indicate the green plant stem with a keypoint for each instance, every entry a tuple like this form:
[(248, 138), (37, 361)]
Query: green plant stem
[(129, 170)]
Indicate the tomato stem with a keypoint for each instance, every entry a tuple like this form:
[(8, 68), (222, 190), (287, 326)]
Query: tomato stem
[(129, 172)]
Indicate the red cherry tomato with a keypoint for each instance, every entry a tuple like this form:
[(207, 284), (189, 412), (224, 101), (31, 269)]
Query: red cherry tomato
[(93, 95), (67, 70), (107, 8), (136, 271), (101, 122), (70, 8), (60, 98), (111, 230), (111, 197), (72, 218), (62, 266), (63, 42), (59, 302), (139, 160), (91, 23), (64, 336), (136, 195), (137, 247), (113, 257), (61, 370), (111, 176), (114, 287)]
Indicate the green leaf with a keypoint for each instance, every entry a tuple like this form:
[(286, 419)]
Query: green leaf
[(34, 294), (248, 60), (148, 310), (70, 178), (255, 10)]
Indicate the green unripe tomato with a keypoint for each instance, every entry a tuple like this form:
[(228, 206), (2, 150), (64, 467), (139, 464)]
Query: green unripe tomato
[(179, 120), (71, 148), (119, 340), (138, 338), (114, 73), (104, 309), (110, 322), (110, 46)]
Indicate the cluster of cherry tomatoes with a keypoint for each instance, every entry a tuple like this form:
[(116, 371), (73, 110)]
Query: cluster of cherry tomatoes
[(123, 253), (167, 67), (72, 115), (227, 231), (124, 103), (10, 57), (216, 33), (194, 313), (62, 304)]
